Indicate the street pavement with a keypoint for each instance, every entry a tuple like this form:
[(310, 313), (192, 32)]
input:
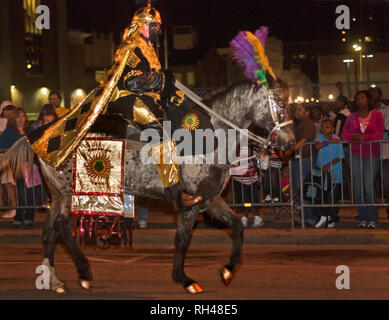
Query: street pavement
[(162, 223), (278, 262), (267, 272)]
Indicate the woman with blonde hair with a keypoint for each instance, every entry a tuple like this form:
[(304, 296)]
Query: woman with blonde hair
[(15, 129)]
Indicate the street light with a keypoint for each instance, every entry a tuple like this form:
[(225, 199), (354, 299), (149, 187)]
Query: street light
[(358, 48), (367, 57), (347, 63)]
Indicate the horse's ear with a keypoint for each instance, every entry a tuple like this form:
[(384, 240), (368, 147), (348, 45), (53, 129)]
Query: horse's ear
[(272, 83)]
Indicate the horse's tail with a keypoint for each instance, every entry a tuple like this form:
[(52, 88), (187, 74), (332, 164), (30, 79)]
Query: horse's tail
[(18, 156)]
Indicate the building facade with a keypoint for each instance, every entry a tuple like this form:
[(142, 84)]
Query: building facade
[(33, 61)]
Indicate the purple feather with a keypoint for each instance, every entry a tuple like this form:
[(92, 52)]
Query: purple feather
[(261, 34), (244, 55)]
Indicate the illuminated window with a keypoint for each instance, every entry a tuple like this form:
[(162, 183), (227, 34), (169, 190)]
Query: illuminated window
[(178, 76), (33, 38), (190, 78), (30, 16)]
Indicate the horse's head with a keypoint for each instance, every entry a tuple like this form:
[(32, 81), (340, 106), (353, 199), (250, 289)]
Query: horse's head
[(270, 113)]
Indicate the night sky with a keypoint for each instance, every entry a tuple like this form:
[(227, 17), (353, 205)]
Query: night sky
[(216, 20)]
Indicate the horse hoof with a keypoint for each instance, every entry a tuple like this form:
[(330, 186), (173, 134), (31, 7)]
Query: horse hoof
[(85, 284), (194, 288), (227, 276), (59, 290)]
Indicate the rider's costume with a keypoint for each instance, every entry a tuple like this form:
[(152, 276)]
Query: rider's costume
[(137, 88)]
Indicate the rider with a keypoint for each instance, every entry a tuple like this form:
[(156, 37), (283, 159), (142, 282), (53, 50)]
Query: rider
[(144, 91)]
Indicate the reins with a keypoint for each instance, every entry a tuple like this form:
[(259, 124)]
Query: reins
[(265, 143)]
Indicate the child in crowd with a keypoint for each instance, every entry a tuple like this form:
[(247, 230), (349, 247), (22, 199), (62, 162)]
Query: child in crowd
[(245, 179), (285, 182), (329, 159), (47, 115), (316, 116)]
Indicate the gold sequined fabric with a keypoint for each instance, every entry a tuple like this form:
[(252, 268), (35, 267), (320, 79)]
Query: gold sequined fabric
[(60, 140), (98, 176), (164, 156)]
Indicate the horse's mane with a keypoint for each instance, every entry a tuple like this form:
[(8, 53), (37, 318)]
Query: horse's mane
[(230, 89), (237, 87)]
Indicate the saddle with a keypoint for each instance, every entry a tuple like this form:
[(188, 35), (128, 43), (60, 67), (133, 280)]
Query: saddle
[(117, 127)]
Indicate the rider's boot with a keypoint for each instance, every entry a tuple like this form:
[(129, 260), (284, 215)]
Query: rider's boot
[(181, 198), (169, 173)]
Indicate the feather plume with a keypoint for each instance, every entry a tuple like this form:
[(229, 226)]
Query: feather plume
[(243, 55), (250, 55), (261, 34)]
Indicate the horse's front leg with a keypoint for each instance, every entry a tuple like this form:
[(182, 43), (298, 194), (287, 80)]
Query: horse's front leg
[(183, 236), (221, 211)]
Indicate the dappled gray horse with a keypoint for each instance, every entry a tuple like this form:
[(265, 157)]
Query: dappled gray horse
[(241, 104)]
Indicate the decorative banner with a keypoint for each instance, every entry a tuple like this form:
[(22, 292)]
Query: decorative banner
[(98, 176)]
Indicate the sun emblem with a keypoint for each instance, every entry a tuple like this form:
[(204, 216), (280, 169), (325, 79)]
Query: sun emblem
[(190, 122), (99, 167)]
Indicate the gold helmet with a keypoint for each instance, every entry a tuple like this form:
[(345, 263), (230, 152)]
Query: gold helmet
[(147, 14)]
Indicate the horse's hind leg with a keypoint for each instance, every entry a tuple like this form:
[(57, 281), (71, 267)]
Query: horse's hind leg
[(60, 222), (183, 236), (221, 211), (49, 236), (63, 224)]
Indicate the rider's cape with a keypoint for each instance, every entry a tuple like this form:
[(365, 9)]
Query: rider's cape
[(54, 143)]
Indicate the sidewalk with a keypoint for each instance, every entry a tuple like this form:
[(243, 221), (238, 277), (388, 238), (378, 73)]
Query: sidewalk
[(162, 224)]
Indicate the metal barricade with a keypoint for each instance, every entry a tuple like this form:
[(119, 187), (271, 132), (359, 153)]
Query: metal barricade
[(269, 182), (356, 178), (14, 193)]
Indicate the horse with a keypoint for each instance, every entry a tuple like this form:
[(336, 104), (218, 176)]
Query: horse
[(241, 104)]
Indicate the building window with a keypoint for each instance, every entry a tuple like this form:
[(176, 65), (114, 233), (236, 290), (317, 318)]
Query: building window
[(33, 38), (190, 78), (178, 76), (30, 16)]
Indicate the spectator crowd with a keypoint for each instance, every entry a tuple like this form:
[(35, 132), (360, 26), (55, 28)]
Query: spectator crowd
[(335, 146), (337, 151), (29, 190)]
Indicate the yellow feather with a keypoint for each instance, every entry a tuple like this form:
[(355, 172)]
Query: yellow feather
[(258, 48)]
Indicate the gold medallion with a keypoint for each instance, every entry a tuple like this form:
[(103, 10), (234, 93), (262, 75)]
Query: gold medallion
[(190, 122)]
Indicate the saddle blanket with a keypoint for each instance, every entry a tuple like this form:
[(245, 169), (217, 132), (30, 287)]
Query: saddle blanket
[(98, 176)]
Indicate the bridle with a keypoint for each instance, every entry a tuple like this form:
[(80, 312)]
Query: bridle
[(276, 109)]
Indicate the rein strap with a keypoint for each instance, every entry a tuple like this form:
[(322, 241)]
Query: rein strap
[(194, 97)]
